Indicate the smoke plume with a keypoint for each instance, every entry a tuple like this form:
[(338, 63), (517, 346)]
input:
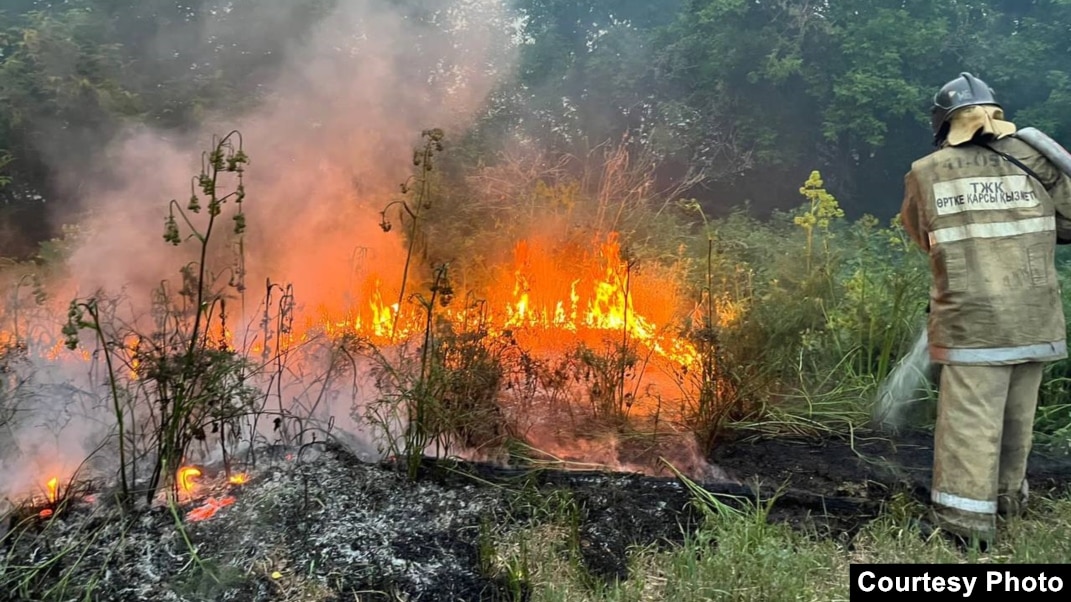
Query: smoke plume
[(328, 148)]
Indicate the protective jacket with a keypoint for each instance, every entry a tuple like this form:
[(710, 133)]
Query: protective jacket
[(990, 229)]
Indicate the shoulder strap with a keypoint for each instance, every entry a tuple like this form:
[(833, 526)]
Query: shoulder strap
[(1017, 162)]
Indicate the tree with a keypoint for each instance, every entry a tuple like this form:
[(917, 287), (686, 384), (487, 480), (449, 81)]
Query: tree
[(73, 73)]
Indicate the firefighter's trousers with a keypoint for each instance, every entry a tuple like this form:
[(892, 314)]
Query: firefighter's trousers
[(984, 431)]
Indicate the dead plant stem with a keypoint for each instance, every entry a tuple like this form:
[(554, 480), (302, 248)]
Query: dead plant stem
[(117, 406)]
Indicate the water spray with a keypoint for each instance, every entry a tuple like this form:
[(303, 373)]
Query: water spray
[(901, 389)]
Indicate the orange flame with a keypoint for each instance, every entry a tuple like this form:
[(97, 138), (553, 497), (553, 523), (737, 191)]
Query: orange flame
[(563, 294), (209, 509), (549, 296), (186, 475), (132, 346), (559, 293)]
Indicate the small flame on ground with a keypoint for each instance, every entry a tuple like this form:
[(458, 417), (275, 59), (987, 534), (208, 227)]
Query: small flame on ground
[(186, 475), (52, 495), (238, 479), (53, 488)]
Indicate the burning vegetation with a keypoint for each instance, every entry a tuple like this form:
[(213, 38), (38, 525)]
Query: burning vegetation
[(570, 352), (563, 326), (536, 364), (325, 387), (573, 349), (465, 369)]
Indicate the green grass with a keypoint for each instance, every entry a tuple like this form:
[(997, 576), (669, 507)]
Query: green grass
[(743, 557)]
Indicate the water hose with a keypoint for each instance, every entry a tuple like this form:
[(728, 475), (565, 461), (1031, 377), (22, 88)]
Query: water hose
[(1045, 145)]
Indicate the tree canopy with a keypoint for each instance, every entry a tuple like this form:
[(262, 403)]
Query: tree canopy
[(765, 90), (740, 99)]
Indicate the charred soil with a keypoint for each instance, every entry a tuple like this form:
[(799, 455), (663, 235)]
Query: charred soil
[(327, 526)]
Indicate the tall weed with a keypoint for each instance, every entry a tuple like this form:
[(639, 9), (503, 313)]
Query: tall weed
[(181, 382)]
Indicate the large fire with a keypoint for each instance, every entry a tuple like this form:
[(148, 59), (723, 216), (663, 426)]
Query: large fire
[(551, 297), (575, 295)]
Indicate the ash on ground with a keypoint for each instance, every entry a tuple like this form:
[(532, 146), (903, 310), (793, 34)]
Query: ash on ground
[(329, 526), (326, 526)]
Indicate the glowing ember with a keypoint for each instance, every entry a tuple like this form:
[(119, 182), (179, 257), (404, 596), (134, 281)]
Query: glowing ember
[(186, 475), (238, 479), (53, 488), (47, 512), (209, 509)]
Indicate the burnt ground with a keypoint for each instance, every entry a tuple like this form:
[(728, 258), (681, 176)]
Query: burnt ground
[(869, 469), (326, 526)]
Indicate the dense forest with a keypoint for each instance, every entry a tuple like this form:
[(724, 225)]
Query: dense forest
[(738, 100)]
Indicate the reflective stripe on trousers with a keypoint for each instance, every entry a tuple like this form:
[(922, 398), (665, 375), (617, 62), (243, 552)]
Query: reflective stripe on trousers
[(1031, 225), (963, 503), (982, 438), (1041, 352)]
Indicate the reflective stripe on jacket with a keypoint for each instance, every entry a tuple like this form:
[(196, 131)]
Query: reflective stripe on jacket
[(990, 231)]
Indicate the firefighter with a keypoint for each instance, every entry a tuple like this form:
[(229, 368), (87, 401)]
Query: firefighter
[(986, 207)]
